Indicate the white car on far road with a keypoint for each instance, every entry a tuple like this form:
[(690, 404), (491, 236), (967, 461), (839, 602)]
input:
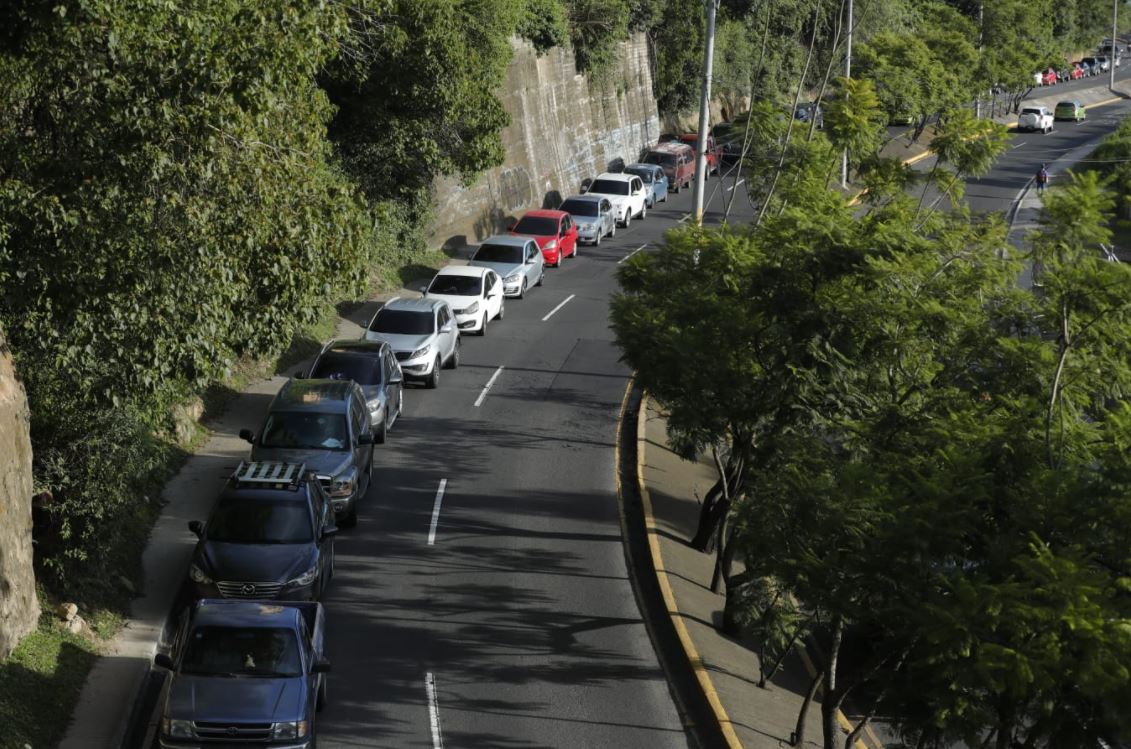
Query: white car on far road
[(626, 192), (1035, 118), (474, 294)]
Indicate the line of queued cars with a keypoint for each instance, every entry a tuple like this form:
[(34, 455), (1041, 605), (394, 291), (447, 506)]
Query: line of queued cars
[(1107, 54), (246, 660)]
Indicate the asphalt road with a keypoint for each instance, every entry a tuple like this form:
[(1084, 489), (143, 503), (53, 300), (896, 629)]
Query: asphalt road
[(510, 621)]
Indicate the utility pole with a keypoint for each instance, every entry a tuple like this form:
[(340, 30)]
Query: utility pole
[(847, 74), (704, 111), (1114, 41)]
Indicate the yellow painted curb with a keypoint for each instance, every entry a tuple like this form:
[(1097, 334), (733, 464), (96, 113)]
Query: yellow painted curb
[(701, 675)]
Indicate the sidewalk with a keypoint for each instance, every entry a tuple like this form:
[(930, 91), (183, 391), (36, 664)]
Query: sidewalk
[(727, 670), (105, 709)]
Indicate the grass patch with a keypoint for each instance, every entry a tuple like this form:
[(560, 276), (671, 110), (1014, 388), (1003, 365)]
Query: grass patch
[(40, 683)]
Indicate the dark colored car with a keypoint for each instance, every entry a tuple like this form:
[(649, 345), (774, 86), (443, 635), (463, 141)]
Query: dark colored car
[(270, 535), (676, 159), (244, 673), (374, 366), (809, 112), (324, 425)]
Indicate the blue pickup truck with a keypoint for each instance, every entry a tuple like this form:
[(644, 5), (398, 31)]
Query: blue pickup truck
[(245, 671)]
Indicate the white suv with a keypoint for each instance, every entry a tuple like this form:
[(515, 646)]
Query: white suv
[(625, 191)]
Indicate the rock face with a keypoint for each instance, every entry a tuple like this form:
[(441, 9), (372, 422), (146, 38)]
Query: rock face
[(564, 130), (19, 609)]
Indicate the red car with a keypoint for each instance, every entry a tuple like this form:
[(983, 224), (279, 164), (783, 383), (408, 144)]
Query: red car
[(1048, 78), (554, 231), (692, 139), (1077, 72)]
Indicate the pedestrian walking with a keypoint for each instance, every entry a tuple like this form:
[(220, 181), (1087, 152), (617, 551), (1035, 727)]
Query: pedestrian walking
[(1042, 179)]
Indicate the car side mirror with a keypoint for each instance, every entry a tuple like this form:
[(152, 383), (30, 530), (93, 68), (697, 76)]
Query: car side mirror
[(365, 438), (510, 226), (396, 379), (423, 291), (197, 528), (321, 666), (247, 436), (162, 660), (446, 328), (329, 532), (297, 375)]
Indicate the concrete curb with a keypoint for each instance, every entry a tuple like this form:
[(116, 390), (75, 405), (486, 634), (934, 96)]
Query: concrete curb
[(703, 678)]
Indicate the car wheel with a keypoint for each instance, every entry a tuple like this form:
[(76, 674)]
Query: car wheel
[(541, 276), (382, 432), (483, 328), (522, 291), (502, 311), (678, 187), (665, 196), (320, 703), (643, 212), (627, 219), (597, 241), (453, 362), (576, 247), (350, 519), (433, 380), (613, 231)]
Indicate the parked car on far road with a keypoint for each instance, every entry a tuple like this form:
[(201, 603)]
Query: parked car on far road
[(625, 191), (516, 260), (475, 295), (1069, 110), (374, 366), (677, 160), (270, 535), (1093, 65), (1103, 63), (712, 150), (422, 334), (593, 215), (323, 424), (654, 179), (1048, 77), (1075, 72), (552, 230), (808, 112), (1032, 119)]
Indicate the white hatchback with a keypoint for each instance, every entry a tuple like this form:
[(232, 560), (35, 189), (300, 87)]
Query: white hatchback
[(475, 295)]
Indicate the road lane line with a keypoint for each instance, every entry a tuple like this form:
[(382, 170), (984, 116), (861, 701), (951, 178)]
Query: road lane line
[(490, 382), (433, 711), (685, 218), (547, 317), (626, 257), (1014, 148), (436, 513), (736, 184)]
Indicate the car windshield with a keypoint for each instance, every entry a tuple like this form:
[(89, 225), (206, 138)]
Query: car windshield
[(644, 174), (242, 651), (403, 322), (303, 430), (580, 207), (257, 521), (498, 253), (609, 187), (361, 368), (537, 225), (456, 285), (663, 159)]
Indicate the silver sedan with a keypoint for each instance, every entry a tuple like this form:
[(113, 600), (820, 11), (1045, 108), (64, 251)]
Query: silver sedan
[(593, 215)]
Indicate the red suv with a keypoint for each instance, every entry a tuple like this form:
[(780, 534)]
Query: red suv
[(554, 231), (692, 139), (677, 160)]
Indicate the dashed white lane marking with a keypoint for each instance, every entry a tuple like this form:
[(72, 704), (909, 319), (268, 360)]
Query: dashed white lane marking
[(626, 257), (436, 512), (736, 184), (1014, 148), (487, 387), (550, 314), (685, 218), (433, 711)]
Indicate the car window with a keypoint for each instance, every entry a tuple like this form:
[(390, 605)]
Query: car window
[(239, 520), (566, 224), (579, 207), (537, 225), (455, 285), (242, 651), (663, 159), (606, 206), (302, 430), (498, 253), (531, 251), (364, 369), (402, 322)]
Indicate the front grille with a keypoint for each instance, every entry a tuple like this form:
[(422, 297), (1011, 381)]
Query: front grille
[(210, 731), (402, 355), (248, 590)]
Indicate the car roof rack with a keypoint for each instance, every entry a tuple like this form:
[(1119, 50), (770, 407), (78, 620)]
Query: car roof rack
[(272, 474)]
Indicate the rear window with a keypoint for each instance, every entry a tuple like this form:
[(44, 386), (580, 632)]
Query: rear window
[(537, 225), (609, 187), (579, 207)]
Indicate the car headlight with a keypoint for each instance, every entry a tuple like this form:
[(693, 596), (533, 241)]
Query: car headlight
[(176, 729), (423, 350), (512, 278), (469, 310), (304, 579), (291, 729), (551, 245), (342, 486), (196, 574)]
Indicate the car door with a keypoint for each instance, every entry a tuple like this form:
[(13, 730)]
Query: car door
[(529, 265), (448, 329), (323, 521), (394, 381), (492, 294), (636, 185), (567, 237), (608, 220), (359, 425)]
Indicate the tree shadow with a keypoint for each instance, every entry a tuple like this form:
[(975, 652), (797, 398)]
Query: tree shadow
[(31, 700)]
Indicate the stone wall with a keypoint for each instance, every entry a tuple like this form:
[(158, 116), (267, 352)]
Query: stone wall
[(19, 609), (563, 131)]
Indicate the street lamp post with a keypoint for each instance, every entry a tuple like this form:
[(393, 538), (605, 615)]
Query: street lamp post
[(704, 111)]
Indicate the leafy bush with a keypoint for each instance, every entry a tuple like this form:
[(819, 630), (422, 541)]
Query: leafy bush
[(545, 24)]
